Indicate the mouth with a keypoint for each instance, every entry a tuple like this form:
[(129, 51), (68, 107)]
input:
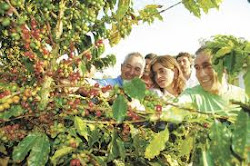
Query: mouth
[(205, 81), (161, 82)]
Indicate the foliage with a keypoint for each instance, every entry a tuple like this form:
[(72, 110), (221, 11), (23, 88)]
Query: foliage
[(231, 54), (51, 115)]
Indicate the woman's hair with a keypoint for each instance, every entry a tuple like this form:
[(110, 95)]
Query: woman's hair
[(170, 62)]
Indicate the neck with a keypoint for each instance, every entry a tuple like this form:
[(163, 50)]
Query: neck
[(221, 87), (187, 75), (170, 90)]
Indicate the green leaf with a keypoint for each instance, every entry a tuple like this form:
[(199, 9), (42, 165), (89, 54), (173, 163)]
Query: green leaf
[(45, 93), (229, 62), (113, 147), (135, 88), (40, 151), (219, 68), (241, 135), (24, 147), (120, 108), (93, 137), (121, 147), (192, 6), (60, 153), (149, 13), (15, 110), (157, 144), (81, 127), (220, 144), (247, 81), (223, 51), (115, 35), (82, 67), (123, 6), (206, 5), (186, 146)]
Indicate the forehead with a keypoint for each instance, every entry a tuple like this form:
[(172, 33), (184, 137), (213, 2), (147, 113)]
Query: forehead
[(157, 66), (148, 61), (182, 58), (202, 58), (135, 61)]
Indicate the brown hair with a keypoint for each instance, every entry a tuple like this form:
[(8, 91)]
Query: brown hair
[(170, 62), (185, 54)]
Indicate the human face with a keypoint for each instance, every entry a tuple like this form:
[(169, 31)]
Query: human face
[(147, 66), (132, 68), (205, 73), (164, 77), (185, 64), (148, 81)]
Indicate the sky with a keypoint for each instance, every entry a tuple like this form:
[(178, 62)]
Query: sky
[(180, 30)]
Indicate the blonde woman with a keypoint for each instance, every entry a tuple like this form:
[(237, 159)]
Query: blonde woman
[(168, 76)]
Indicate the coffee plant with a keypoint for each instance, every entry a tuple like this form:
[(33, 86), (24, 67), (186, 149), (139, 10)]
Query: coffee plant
[(51, 115)]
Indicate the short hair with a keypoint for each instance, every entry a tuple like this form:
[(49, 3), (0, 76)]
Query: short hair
[(185, 54), (202, 49), (150, 56), (134, 54)]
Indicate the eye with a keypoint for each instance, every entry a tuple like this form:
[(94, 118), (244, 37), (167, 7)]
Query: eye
[(207, 65), (137, 69), (128, 66), (196, 67)]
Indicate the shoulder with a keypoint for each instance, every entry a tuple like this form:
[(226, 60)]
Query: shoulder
[(194, 90), (237, 93), (110, 81)]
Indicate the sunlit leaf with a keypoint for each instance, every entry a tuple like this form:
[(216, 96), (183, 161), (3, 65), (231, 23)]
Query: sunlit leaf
[(24, 147), (115, 35), (135, 88), (40, 151), (241, 135), (220, 144), (123, 6), (247, 82), (222, 52), (15, 110), (192, 6), (81, 127), (186, 146), (82, 67), (45, 92), (113, 147), (157, 144), (60, 153), (119, 108)]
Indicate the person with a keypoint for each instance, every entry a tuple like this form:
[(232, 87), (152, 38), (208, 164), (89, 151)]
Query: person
[(185, 61), (132, 67), (168, 75), (212, 95), (147, 74)]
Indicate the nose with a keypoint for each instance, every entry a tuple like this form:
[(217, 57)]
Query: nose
[(157, 76), (202, 73), (181, 63)]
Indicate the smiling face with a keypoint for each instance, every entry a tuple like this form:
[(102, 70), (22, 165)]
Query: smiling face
[(164, 77), (205, 73), (132, 68)]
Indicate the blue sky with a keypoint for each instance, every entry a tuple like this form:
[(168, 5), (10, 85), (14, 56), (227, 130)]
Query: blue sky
[(181, 31)]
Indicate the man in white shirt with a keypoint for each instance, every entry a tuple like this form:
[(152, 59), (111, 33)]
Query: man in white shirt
[(185, 61)]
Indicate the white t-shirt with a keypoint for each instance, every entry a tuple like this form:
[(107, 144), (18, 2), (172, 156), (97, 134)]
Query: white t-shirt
[(192, 81)]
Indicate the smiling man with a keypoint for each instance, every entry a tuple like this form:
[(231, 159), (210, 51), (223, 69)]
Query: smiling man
[(132, 67), (211, 95)]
